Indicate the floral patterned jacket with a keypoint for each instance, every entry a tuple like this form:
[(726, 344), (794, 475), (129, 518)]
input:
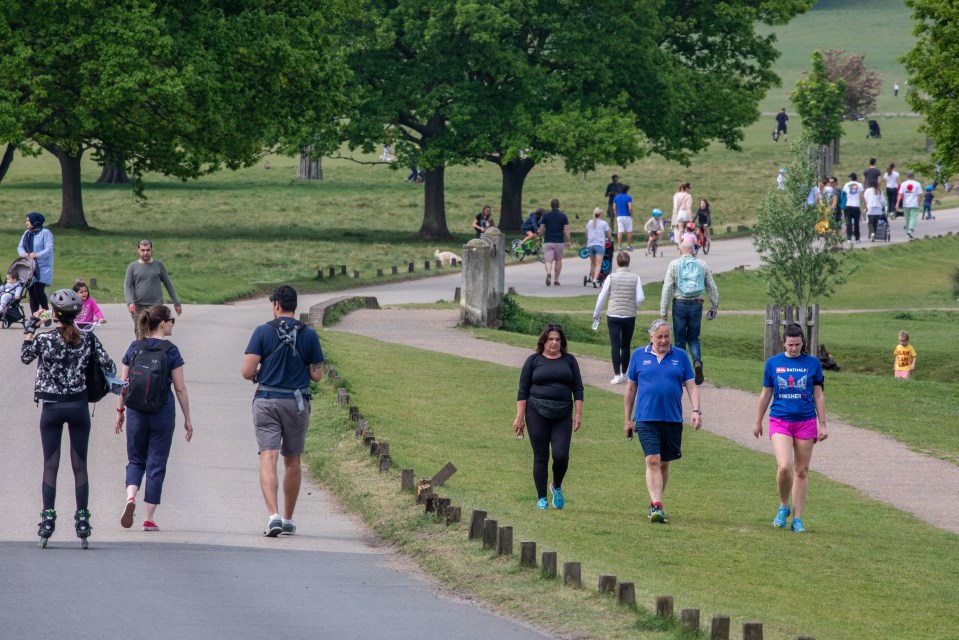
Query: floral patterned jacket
[(62, 369)]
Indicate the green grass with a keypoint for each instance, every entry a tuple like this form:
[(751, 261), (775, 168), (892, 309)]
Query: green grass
[(864, 571)]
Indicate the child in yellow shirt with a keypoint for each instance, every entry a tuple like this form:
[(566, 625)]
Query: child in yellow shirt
[(905, 357)]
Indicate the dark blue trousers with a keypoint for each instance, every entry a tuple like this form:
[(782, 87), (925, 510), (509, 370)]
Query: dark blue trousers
[(149, 438)]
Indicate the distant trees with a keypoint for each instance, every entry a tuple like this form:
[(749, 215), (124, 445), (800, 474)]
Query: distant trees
[(820, 103), (862, 85), (933, 66), (181, 87)]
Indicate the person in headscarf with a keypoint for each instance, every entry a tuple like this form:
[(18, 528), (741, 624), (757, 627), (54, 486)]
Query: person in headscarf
[(37, 244)]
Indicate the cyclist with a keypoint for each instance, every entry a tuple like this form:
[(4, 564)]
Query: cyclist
[(531, 227), (654, 227), (704, 218)]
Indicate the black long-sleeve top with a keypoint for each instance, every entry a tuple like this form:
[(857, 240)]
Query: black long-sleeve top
[(553, 379)]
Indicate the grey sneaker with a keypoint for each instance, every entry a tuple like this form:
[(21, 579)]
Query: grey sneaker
[(289, 528), (274, 527)]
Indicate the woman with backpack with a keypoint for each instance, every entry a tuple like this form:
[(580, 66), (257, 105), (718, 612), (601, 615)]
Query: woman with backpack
[(154, 368), (61, 385)]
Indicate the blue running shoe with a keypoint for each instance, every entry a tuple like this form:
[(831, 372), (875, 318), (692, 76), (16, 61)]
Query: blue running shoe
[(781, 516), (558, 499), (542, 504), (658, 515), (797, 526)]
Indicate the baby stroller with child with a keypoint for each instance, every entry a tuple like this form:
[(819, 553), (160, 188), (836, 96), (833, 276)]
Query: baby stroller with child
[(874, 131), (23, 269), (604, 267)]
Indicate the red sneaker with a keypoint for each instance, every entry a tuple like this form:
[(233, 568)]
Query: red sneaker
[(150, 526)]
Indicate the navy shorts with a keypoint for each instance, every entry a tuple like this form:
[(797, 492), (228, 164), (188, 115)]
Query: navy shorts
[(664, 439)]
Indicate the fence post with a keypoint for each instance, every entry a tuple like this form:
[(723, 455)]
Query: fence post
[(720, 628), (752, 631), (689, 619), (626, 594), (504, 545), (489, 534), (527, 553), (477, 522), (406, 479), (664, 606), (607, 583), (572, 574), (548, 561)]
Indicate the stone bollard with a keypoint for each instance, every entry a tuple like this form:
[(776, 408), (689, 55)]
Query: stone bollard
[(476, 284)]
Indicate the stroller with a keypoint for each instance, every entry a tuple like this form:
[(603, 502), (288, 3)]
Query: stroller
[(883, 232), (874, 131), (605, 266), (24, 269)]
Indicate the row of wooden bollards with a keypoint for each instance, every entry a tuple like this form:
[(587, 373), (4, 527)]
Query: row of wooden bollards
[(500, 538), (440, 507), (328, 273)]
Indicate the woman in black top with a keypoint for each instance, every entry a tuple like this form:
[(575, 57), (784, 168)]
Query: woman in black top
[(549, 404)]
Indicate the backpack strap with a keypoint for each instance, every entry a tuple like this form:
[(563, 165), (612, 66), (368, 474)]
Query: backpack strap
[(297, 325)]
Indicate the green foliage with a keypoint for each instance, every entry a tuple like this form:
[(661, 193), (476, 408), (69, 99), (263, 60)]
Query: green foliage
[(933, 66), (800, 263), (820, 102), (517, 320), (955, 281), (862, 85)]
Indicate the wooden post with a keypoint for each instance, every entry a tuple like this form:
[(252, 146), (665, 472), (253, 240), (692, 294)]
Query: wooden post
[(572, 574), (384, 462), (689, 619), (354, 413), (456, 294), (342, 269), (356, 274), (607, 583), (548, 561), (443, 474), (720, 628), (626, 594), (374, 448), (664, 606), (426, 265), (341, 396), (368, 437), (489, 534), (379, 273), (423, 487), (477, 520), (383, 448), (411, 268), (453, 514), (442, 505), (437, 264), (429, 502), (504, 544), (361, 427), (332, 271), (395, 270), (752, 631), (527, 553), (93, 283), (406, 480)]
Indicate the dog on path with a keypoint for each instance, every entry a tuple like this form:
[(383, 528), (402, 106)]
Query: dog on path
[(447, 257)]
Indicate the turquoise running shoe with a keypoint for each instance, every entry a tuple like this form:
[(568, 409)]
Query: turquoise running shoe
[(558, 499), (797, 526), (658, 515), (542, 504), (781, 516)]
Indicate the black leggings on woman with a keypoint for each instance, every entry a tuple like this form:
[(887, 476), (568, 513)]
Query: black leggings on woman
[(76, 416), (543, 435), (38, 297), (620, 337)]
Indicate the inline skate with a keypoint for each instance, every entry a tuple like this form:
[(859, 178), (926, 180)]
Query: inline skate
[(82, 519), (48, 523)]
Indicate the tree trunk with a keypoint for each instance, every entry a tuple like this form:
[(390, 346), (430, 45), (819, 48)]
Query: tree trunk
[(71, 213), (434, 206), (6, 161), (310, 168), (835, 151), (112, 174), (511, 201)]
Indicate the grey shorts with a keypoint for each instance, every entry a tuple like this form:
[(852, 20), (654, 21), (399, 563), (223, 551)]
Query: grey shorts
[(278, 426)]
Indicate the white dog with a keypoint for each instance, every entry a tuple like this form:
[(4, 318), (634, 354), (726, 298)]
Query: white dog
[(447, 257)]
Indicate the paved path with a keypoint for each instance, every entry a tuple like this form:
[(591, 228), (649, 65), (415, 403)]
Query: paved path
[(208, 572)]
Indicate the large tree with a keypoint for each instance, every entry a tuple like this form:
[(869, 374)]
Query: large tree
[(519, 82), (862, 85), (933, 66), (181, 87)]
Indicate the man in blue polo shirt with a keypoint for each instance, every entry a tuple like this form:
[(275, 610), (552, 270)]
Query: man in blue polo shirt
[(656, 377)]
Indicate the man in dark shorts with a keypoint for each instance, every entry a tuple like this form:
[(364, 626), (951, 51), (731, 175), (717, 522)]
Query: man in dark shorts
[(612, 190), (283, 356), (554, 227), (657, 375), (781, 120)]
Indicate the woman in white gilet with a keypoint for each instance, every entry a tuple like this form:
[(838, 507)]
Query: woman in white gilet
[(682, 210), (625, 293)]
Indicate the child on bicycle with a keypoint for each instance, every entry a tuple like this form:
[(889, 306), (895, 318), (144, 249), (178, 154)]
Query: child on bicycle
[(654, 227), (90, 313), (703, 217)]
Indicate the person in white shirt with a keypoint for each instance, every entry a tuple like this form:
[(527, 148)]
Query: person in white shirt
[(891, 177), (853, 210), (597, 234), (624, 290), (875, 204), (909, 193), (781, 180)]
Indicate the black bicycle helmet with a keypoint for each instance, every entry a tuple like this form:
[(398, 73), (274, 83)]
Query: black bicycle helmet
[(66, 304)]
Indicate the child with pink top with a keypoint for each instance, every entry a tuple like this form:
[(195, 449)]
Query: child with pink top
[(90, 313)]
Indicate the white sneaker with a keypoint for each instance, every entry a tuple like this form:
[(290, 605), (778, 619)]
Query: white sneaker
[(615, 379)]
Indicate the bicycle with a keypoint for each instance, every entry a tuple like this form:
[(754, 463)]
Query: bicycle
[(702, 237), (520, 248)]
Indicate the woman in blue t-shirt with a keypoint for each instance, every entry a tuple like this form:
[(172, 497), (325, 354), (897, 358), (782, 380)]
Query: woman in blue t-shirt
[(150, 435), (793, 382)]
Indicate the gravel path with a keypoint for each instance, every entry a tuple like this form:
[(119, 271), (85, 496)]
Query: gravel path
[(877, 465)]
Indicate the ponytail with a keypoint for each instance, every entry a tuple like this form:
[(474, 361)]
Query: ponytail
[(69, 332), (150, 318)]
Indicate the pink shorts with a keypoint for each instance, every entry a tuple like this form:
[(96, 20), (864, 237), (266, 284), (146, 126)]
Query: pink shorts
[(553, 250), (801, 430), (905, 373)]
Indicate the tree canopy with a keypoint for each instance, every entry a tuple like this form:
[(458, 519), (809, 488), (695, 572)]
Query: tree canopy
[(180, 87), (820, 102), (862, 85), (933, 66), (520, 82)]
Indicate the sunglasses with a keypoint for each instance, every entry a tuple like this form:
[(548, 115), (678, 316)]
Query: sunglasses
[(171, 320)]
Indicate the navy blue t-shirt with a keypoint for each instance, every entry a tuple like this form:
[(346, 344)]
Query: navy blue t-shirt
[(792, 381), (173, 361), (284, 368), (554, 220)]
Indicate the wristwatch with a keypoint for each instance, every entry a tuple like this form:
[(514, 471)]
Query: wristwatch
[(698, 411)]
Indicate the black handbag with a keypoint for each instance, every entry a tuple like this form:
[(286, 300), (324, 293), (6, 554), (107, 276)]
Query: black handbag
[(97, 385)]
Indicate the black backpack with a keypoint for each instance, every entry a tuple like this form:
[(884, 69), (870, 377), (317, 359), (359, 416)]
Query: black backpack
[(97, 384), (149, 376)]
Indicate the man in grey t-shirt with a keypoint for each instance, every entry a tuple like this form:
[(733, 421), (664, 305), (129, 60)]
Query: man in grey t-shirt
[(141, 287)]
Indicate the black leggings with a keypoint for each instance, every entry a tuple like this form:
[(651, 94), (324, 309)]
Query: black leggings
[(620, 337), (38, 297), (544, 434), (76, 416), (891, 196)]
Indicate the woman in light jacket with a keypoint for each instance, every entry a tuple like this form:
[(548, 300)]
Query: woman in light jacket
[(37, 244), (625, 292)]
